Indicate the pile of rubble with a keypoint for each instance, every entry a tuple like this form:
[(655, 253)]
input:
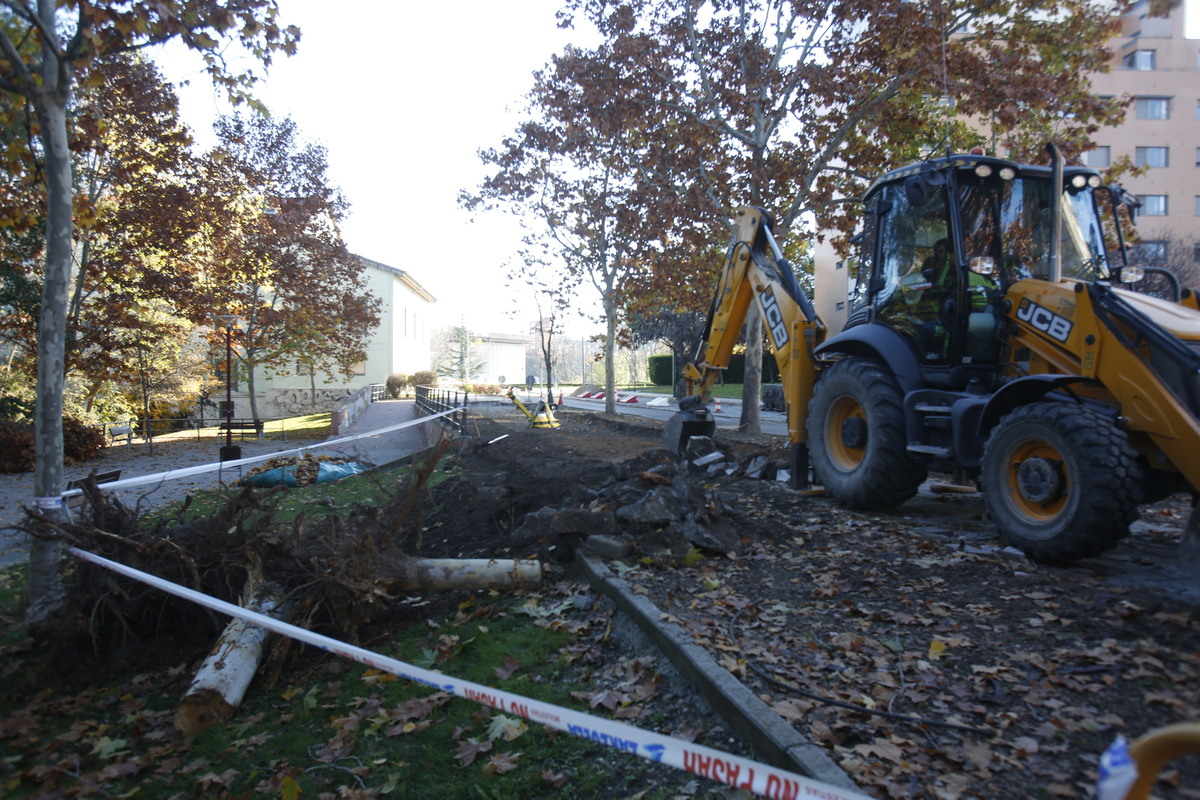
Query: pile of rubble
[(659, 506)]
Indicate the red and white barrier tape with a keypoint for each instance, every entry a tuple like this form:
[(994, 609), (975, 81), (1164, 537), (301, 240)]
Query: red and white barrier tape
[(742, 773)]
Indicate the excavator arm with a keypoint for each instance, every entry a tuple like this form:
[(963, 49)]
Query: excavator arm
[(756, 271)]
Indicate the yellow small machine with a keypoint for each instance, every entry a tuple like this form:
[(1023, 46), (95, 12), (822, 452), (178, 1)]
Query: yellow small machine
[(541, 417)]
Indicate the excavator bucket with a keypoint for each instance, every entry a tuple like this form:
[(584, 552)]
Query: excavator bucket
[(692, 419)]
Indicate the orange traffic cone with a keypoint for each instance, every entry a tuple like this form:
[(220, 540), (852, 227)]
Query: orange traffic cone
[(560, 397), (718, 411)]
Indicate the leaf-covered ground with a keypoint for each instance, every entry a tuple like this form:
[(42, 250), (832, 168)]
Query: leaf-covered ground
[(1015, 677), (1011, 678), (327, 729)]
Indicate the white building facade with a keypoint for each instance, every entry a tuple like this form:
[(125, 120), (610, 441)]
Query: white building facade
[(400, 344)]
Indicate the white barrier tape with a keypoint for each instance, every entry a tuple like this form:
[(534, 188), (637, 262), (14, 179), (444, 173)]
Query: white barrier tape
[(742, 773), (200, 469)]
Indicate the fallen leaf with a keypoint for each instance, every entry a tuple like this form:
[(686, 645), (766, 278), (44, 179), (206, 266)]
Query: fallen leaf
[(506, 669), (501, 763), (1025, 746), (505, 727), (469, 749)]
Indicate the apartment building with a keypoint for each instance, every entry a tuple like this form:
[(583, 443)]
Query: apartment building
[(1155, 64)]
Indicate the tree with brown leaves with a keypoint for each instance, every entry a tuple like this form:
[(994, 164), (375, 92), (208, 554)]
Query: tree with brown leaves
[(42, 50)]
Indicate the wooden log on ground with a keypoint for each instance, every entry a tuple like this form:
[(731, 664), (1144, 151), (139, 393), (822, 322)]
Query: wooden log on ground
[(470, 573), (222, 680)]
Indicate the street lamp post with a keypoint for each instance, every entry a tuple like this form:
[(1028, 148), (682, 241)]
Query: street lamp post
[(230, 452)]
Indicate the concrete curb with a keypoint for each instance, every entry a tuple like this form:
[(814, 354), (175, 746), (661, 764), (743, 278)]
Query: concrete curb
[(777, 742)]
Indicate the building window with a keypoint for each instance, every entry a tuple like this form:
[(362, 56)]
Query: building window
[(1153, 107), (1153, 205), (1151, 157), (1099, 157), (1140, 59), (304, 369), (1196, 252), (1198, 205), (1150, 253), (359, 368)]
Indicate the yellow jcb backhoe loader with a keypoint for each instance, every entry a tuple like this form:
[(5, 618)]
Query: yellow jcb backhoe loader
[(991, 333)]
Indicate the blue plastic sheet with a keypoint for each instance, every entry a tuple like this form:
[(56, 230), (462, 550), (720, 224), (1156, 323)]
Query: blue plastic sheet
[(286, 476)]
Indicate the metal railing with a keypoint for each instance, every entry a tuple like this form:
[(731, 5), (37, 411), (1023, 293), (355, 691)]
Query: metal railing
[(435, 400)]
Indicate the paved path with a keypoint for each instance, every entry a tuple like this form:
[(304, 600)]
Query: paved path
[(136, 460)]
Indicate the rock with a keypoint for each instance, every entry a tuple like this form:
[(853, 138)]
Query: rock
[(584, 520), (666, 469), (715, 535), (608, 546), (757, 467), (658, 507), (710, 458), (700, 446), (535, 526)]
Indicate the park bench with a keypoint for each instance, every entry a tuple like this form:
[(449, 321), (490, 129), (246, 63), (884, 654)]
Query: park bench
[(120, 430), (242, 427), (77, 500)]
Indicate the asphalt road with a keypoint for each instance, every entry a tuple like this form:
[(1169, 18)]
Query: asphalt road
[(773, 422)]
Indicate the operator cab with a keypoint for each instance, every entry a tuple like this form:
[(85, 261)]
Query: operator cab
[(943, 241)]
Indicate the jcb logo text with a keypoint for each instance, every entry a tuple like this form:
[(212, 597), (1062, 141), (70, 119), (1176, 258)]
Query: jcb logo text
[(1044, 320), (774, 319)]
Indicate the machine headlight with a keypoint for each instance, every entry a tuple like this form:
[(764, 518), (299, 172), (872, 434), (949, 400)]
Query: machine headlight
[(1094, 181), (1007, 173), (982, 265), (1079, 181), (983, 170)]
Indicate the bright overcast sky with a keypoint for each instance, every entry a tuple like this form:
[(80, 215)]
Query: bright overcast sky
[(403, 95)]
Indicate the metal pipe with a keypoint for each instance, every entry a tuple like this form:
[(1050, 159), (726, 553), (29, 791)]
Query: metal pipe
[(1056, 222)]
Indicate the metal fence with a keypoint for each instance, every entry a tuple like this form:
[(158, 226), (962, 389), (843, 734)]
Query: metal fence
[(435, 400)]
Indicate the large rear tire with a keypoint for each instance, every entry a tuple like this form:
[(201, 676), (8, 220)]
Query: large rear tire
[(1061, 481), (857, 438)]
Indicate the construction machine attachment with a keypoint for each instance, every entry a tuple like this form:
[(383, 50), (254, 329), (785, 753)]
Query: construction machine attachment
[(692, 419), (542, 416)]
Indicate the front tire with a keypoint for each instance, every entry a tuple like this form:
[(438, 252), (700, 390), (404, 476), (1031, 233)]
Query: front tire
[(1061, 481), (857, 437)]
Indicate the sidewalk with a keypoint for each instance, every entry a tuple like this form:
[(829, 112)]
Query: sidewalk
[(136, 460)]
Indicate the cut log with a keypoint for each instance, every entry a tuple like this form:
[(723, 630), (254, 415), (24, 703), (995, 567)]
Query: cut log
[(470, 573), (222, 680)]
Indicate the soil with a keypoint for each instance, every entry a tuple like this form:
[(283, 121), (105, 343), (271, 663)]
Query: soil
[(928, 660)]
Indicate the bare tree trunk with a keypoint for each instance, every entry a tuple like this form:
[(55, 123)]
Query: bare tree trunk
[(610, 354), (752, 380), (250, 390), (45, 593)]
